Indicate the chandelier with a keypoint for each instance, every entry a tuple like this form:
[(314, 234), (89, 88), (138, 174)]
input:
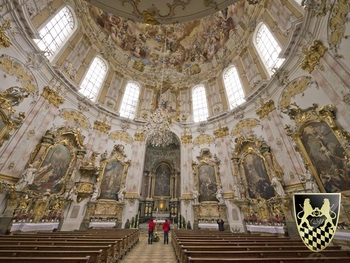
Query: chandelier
[(157, 127)]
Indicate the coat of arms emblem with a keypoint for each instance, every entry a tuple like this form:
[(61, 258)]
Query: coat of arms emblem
[(316, 216)]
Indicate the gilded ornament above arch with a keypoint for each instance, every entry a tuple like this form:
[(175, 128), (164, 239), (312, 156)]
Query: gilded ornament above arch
[(121, 135), (265, 109), (203, 139), (221, 132), (313, 55), (246, 124), (76, 117), (4, 39), (14, 68), (297, 86), (186, 138), (52, 96), (139, 137), (102, 126), (337, 23)]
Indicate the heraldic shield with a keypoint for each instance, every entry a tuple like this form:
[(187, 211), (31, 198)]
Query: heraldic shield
[(316, 217)]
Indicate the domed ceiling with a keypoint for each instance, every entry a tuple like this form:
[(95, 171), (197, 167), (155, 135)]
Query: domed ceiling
[(172, 52), (161, 12)]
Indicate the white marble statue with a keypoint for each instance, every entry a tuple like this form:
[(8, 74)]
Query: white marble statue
[(96, 193), (195, 194), (27, 177), (219, 194), (277, 185), (73, 194), (121, 194)]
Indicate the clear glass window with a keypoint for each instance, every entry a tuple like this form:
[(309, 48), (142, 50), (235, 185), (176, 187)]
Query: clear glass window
[(93, 80), (56, 32), (233, 86), (268, 48), (200, 107), (130, 100)]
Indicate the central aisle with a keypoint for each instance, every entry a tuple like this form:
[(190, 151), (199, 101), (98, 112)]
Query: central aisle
[(145, 253)]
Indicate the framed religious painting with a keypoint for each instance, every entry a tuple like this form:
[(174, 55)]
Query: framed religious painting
[(207, 177), (323, 144), (113, 174), (162, 179)]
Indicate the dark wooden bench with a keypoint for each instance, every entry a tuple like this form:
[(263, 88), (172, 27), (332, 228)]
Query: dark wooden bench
[(45, 259), (263, 254), (94, 256), (106, 255), (274, 260)]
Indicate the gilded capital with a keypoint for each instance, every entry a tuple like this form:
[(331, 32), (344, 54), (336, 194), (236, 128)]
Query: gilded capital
[(265, 109), (52, 96), (221, 132), (102, 127), (313, 56)]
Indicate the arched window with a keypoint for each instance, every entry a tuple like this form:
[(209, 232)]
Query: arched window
[(268, 48), (130, 99), (233, 86), (56, 32), (93, 80), (200, 107)]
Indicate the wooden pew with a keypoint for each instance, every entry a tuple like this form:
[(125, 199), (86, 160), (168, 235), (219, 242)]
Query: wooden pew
[(264, 254), (114, 249), (94, 256), (45, 259), (106, 255), (274, 260)]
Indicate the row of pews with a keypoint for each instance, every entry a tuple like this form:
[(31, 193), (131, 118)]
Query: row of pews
[(79, 246), (204, 246)]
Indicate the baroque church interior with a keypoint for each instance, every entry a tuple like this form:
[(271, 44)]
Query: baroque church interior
[(115, 112)]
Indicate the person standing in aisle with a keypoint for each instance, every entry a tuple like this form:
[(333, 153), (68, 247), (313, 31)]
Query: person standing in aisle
[(166, 229), (151, 226)]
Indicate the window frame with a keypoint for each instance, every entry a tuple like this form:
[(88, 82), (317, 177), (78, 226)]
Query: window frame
[(134, 83), (65, 42), (200, 119), (235, 91), (269, 71), (102, 82)]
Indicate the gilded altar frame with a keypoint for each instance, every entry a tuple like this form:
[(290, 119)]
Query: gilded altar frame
[(256, 167), (206, 176), (51, 152), (323, 145), (113, 173)]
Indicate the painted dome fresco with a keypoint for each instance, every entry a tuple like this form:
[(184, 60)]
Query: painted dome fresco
[(181, 50)]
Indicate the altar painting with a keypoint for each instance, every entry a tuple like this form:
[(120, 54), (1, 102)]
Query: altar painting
[(257, 179), (327, 155), (162, 182), (56, 164), (207, 183), (111, 180)]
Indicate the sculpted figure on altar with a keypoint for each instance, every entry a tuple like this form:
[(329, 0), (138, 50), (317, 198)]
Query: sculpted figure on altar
[(27, 177), (97, 192)]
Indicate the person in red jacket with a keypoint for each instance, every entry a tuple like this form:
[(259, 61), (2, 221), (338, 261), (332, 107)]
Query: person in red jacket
[(166, 229), (151, 226)]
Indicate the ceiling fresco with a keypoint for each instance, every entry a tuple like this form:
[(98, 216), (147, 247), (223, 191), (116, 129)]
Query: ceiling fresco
[(161, 12), (183, 48)]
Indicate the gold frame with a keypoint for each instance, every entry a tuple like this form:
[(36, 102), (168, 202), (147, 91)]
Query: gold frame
[(116, 155), (252, 145), (68, 137), (205, 158), (315, 114)]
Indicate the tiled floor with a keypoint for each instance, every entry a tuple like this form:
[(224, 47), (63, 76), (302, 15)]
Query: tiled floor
[(155, 253)]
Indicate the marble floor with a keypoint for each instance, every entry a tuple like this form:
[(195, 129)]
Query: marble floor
[(158, 252)]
